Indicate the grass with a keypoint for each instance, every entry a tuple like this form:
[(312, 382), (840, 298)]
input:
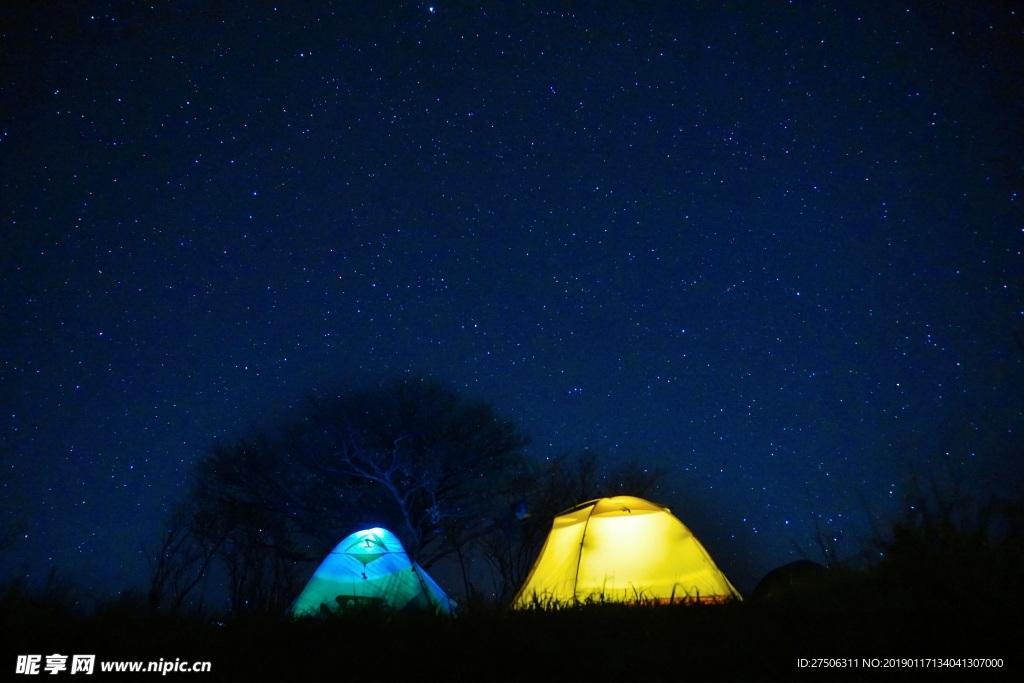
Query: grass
[(938, 591), (859, 615)]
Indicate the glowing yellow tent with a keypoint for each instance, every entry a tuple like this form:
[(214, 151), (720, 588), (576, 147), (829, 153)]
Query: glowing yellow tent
[(622, 549)]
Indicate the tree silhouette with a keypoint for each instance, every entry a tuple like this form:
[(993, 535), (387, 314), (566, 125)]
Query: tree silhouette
[(246, 504), (434, 458), (180, 562), (413, 455)]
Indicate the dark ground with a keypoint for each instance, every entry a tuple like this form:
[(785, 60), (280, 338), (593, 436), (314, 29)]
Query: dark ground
[(849, 616)]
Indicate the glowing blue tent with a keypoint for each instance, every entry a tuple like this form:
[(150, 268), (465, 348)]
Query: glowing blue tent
[(370, 567)]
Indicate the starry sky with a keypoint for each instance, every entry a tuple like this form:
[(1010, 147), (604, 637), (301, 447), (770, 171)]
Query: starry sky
[(774, 248)]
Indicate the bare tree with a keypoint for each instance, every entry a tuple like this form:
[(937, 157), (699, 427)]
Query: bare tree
[(414, 456), (251, 505), (434, 457), (180, 564)]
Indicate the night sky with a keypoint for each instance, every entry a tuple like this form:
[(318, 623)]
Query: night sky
[(774, 248)]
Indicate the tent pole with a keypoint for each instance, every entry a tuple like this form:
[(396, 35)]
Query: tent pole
[(579, 554)]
